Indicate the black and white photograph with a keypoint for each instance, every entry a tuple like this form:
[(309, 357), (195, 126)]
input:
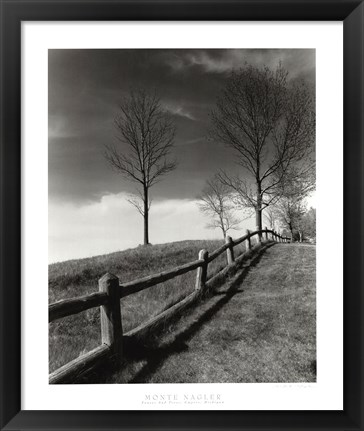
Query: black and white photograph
[(182, 216)]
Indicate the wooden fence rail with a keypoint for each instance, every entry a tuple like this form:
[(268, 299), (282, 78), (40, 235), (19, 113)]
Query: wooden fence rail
[(111, 291)]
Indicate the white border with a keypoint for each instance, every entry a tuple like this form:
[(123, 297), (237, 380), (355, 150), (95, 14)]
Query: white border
[(327, 39)]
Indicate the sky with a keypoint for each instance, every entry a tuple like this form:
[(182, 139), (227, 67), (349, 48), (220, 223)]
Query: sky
[(88, 210)]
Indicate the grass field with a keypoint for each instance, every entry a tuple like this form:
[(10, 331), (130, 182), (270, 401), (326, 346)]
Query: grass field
[(260, 327), (74, 335)]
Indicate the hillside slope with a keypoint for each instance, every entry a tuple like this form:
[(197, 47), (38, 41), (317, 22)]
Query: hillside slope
[(260, 328), (73, 335)]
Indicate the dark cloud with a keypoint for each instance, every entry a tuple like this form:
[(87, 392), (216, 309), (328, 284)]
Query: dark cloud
[(85, 87)]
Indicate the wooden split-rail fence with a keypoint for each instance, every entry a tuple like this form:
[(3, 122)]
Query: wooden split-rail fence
[(111, 291)]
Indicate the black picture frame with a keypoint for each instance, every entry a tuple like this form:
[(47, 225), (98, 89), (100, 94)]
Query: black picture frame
[(13, 12)]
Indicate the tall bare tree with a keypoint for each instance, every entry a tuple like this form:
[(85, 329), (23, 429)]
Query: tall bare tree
[(215, 203), (145, 135), (270, 124)]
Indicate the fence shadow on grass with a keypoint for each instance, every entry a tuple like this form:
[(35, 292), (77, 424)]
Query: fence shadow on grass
[(156, 350)]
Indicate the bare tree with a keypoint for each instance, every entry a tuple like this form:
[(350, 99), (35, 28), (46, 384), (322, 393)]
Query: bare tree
[(291, 208), (270, 124), (290, 213), (309, 224), (271, 217), (145, 136), (215, 203)]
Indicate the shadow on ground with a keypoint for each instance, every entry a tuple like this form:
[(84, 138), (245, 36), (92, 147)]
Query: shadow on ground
[(154, 351)]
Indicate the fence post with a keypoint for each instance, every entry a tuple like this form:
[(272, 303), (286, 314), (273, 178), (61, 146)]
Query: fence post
[(248, 240), (110, 316), (202, 270), (230, 250), (266, 233)]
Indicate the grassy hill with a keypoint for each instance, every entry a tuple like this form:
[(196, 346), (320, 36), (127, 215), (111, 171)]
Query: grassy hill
[(260, 326), (73, 335)]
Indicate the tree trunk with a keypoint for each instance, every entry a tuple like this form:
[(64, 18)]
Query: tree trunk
[(258, 210), (222, 226), (258, 221), (291, 230), (146, 216), (300, 234)]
